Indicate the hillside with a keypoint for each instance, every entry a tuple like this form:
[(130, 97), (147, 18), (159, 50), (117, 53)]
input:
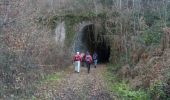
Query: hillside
[(39, 38)]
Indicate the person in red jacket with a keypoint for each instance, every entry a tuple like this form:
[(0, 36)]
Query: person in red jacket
[(88, 59), (77, 59)]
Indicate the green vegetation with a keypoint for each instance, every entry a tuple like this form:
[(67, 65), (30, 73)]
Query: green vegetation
[(126, 93), (153, 34), (157, 91), (151, 37), (52, 77), (122, 89)]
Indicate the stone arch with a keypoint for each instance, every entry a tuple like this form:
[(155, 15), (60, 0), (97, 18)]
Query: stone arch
[(85, 40)]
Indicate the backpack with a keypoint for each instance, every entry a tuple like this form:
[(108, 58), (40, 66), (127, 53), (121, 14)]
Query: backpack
[(88, 58), (77, 58)]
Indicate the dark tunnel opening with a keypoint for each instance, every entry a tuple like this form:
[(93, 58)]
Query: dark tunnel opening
[(93, 44)]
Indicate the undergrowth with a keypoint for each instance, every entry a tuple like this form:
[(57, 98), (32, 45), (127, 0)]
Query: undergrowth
[(52, 77), (121, 88)]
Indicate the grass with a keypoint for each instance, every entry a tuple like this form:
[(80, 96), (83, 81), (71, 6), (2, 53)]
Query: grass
[(125, 92), (122, 89), (52, 77)]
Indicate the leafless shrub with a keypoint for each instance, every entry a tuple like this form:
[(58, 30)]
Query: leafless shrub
[(28, 50)]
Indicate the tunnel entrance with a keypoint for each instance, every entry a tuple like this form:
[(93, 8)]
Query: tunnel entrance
[(98, 43)]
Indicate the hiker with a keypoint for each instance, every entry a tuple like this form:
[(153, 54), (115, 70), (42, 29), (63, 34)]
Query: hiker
[(82, 58), (88, 60), (95, 56), (77, 59)]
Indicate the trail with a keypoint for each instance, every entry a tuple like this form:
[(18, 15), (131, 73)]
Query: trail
[(77, 86)]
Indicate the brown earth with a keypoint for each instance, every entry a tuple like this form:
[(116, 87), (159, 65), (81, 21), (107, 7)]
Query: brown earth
[(77, 86)]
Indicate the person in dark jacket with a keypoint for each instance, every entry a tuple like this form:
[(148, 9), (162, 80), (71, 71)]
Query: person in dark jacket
[(88, 59), (95, 57), (82, 58)]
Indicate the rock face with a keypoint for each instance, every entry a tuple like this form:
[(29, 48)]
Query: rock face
[(60, 33)]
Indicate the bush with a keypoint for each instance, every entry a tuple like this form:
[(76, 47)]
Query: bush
[(122, 89), (151, 37), (157, 91), (125, 92)]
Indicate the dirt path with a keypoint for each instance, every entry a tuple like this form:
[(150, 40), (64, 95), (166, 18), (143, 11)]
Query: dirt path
[(77, 86)]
